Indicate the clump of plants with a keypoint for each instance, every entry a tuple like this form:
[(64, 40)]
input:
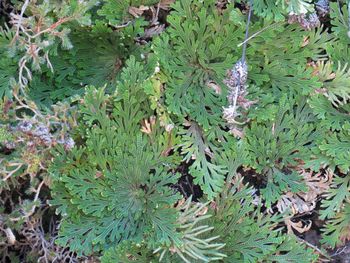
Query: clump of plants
[(174, 131)]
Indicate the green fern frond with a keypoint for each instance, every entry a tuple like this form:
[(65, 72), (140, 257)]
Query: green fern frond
[(117, 12), (292, 251), (333, 149), (249, 234), (274, 147), (206, 172), (335, 197), (336, 84), (196, 49), (336, 230), (193, 245), (8, 65), (117, 183)]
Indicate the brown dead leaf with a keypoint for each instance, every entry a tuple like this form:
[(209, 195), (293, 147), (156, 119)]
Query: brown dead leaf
[(315, 69), (306, 41), (213, 205), (245, 103), (214, 87), (345, 235), (237, 133), (299, 226), (153, 31), (148, 124), (180, 203), (221, 5), (165, 4), (209, 152), (11, 238), (146, 127), (137, 11), (98, 174), (331, 76), (203, 211), (322, 70), (305, 202), (321, 91)]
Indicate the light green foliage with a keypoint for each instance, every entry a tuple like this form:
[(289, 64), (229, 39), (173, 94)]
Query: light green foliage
[(336, 84), (115, 11), (5, 135)]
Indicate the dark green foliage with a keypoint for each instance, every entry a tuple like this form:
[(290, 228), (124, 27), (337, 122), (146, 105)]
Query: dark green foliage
[(336, 148), (129, 252), (335, 197), (336, 229), (97, 59), (275, 147), (247, 232), (8, 65), (340, 28), (196, 49), (330, 117), (209, 175), (117, 183), (278, 10), (282, 53), (332, 109), (241, 243), (139, 160), (117, 12), (200, 38)]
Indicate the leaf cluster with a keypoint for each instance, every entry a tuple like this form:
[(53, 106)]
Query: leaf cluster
[(131, 96)]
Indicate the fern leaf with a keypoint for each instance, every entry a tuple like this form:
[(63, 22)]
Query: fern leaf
[(336, 230), (336, 84), (335, 197), (8, 65), (209, 175)]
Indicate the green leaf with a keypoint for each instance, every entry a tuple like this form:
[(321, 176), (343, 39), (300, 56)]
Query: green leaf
[(208, 174), (335, 197), (337, 228)]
